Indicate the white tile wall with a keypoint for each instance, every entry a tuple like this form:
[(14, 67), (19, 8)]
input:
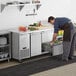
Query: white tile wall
[(11, 17)]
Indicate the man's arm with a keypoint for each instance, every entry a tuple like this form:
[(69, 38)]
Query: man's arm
[(54, 37), (56, 29)]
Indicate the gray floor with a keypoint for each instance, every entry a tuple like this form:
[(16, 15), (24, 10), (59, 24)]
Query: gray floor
[(67, 70), (8, 64)]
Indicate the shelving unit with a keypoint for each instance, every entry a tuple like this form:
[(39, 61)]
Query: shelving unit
[(20, 5), (5, 47)]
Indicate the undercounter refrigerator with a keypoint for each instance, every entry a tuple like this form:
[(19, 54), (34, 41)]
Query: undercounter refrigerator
[(20, 46)]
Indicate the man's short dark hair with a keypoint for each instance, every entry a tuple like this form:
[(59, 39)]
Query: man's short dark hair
[(50, 18)]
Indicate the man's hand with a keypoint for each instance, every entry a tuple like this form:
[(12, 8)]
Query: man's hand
[(54, 38)]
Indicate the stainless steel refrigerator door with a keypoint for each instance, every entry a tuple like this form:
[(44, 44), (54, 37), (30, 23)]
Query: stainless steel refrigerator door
[(35, 44)]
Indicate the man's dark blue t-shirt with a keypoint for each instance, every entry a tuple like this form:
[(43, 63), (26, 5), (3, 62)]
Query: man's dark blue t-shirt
[(59, 22)]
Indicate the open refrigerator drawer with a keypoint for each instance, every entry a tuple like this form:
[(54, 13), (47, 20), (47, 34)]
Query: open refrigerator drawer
[(56, 49)]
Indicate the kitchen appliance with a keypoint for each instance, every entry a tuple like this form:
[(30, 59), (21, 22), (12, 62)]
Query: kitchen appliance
[(20, 46)]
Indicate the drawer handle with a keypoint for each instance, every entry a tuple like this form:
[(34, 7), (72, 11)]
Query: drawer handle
[(24, 47)]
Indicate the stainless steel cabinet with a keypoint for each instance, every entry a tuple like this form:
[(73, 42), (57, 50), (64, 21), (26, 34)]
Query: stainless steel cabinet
[(35, 43), (20, 46)]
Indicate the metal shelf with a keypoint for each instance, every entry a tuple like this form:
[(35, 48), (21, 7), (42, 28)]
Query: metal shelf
[(5, 59), (4, 45), (20, 6)]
